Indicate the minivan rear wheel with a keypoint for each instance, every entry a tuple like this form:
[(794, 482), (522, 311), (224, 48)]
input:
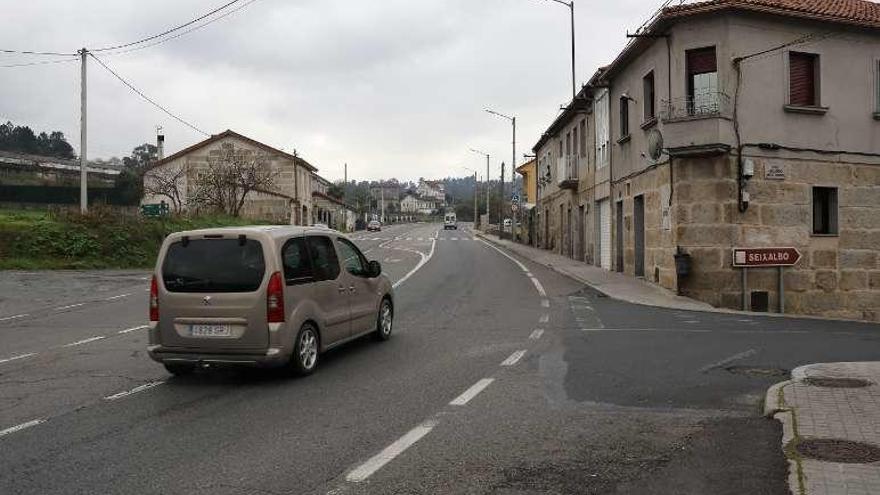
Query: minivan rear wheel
[(304, 358), (385, 320)]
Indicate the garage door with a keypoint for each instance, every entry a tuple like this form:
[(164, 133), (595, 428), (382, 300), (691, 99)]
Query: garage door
[(605, 233)]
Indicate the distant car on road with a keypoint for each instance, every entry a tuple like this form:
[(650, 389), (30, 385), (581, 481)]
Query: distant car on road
[(449, 222), (374, 226), (266, 296)]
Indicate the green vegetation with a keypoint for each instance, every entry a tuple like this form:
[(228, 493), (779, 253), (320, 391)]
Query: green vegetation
[(35, 240)]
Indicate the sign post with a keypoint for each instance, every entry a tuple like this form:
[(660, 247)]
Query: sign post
[(779, 257)]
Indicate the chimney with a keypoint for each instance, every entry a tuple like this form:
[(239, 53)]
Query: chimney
[(160, 146)]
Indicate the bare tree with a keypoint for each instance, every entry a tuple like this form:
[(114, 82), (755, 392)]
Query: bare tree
[(230, 175), (166, 181)]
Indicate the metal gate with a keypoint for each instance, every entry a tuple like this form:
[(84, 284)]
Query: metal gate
[(639, 228)]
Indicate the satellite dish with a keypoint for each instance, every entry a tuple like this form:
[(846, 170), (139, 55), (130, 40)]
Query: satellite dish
[(655, 144)]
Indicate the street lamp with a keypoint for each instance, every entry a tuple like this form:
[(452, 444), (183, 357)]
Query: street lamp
[(570, 6), (512, 167), (487, 182)]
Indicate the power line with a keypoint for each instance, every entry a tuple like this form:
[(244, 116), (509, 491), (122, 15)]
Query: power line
[(184, 33), (44, 62), (147, 98), (169, 31), (26, 52)]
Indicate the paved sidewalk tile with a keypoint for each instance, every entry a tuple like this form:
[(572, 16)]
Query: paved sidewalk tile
[(832, 413)]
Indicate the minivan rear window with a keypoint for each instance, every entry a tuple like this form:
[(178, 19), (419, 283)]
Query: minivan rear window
[(214, 265)]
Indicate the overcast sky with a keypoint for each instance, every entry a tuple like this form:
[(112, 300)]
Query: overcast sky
[(395, 88)]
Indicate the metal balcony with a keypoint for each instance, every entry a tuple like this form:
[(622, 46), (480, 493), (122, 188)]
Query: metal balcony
[(698, 125), (701, 106), (567, 172)]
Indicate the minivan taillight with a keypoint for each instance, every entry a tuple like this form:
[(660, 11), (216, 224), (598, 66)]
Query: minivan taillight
[(275, 299), (154, 300)]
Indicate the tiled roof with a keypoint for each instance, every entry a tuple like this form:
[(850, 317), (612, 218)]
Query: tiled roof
[(229, 133), (858, 12)]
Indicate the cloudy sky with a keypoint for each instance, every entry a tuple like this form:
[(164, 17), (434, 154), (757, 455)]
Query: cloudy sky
[(392, 87)]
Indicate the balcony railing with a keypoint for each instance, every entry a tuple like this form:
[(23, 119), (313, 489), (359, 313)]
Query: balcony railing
[(702, 105), (567, 171)]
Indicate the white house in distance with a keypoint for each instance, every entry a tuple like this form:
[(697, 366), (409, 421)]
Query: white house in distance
[(432, 189), (289, 202), (420, 205)]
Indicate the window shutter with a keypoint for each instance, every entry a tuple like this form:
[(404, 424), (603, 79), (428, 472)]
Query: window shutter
[(802, 79), (701, 61)]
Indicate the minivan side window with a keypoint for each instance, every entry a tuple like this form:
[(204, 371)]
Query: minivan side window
[(324, 261), (352, 259), (296, 262)]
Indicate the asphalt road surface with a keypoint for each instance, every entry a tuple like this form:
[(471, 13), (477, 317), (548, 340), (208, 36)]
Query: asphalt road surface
[(501, 377)]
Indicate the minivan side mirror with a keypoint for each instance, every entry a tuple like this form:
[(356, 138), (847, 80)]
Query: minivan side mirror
[(374, 269)]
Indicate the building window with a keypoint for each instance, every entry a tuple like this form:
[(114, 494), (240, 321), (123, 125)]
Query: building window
[(824, 211), (583, 135), (624, 117), (648, 95), (702, 70), (802, 79)]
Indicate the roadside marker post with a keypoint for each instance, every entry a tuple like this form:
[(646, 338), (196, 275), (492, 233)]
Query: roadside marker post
[(779, 257)]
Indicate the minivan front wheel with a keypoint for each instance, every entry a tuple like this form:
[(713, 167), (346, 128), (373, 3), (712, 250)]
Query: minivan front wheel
[(385, 321), (304, 359)]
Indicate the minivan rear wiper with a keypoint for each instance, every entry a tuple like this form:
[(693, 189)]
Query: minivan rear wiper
[(185, 281)]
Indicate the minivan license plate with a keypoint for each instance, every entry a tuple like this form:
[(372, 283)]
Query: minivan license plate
[(210, 330)]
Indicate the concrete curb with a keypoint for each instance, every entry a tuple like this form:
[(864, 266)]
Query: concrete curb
[(774, 400)]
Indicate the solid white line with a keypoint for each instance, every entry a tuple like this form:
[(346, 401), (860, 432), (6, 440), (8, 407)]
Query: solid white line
[(70, 306), (545, 303), (16, 358), (725, 361), (132, 329), (376, 462), (118, 297), (544, 318), (513, 358), (85, 341), (511, 258), (33, 422), (135, 390), (421, 263), (14, 317), (471, 392), (539, 287), (536, 334)]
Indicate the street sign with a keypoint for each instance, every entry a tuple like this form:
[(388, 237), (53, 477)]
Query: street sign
[(757, 257)]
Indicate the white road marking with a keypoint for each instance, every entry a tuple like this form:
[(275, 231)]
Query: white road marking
[(16, 358), (726, 361), (545, 303), (420, 239), (388, 454), (538, 286), (132, 329), (453, 239), (513, 358), (85, 341), (33, 422), (69, 306), (536, 334), (544, 318), (511, 258), (409, 238), (690, 321), (472, 392), (135, 390), (658, 330), (421, 263), (120, 296), (15, 317)]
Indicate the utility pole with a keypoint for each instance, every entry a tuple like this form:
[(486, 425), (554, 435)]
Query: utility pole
[(513, 181), (83, 160), (488, 222), (298, 212), (501, 203), (570, 5), (475, 199), (382, 195)]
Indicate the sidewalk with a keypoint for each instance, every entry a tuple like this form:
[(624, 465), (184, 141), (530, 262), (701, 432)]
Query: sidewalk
[(816, 404), (611, 284)]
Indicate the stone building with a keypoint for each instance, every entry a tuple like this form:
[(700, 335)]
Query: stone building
[(738, 124), (290, 201)]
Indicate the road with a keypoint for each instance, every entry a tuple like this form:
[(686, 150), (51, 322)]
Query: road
[(502, 377)]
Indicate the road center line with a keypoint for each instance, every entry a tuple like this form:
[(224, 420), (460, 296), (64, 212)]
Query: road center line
[(421, 263), (120, 296), (135, 390), (388, 454), (132, 329), (16, 358), (70, 306), (726, 361), (15, 317), (33, 422), (472, 392), (513, 358), (536, 334), (85, 341), (545, 303)]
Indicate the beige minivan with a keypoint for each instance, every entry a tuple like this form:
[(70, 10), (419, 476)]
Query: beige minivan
[(267, 296)]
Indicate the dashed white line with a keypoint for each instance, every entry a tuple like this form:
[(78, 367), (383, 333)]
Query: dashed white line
[(544, 318), (15, 317), (513, 358), (536, 334), (388, 454), (726, 361), (120, 296), (16, 358), (135, 390), (538, 287), (85, 341), (472, 392), (23, 426), (70, 306), (545, 303), (132, 329)]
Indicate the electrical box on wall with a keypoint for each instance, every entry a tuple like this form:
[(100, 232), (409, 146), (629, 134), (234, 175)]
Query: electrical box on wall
[(749, 168)]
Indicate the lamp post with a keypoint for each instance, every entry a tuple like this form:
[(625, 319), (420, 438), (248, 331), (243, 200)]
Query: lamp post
[(570, 6), (487, 182), (512, 168)]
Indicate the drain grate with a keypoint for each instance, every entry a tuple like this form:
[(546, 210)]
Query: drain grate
[(833, 450), (756, 371), (818, 381)]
